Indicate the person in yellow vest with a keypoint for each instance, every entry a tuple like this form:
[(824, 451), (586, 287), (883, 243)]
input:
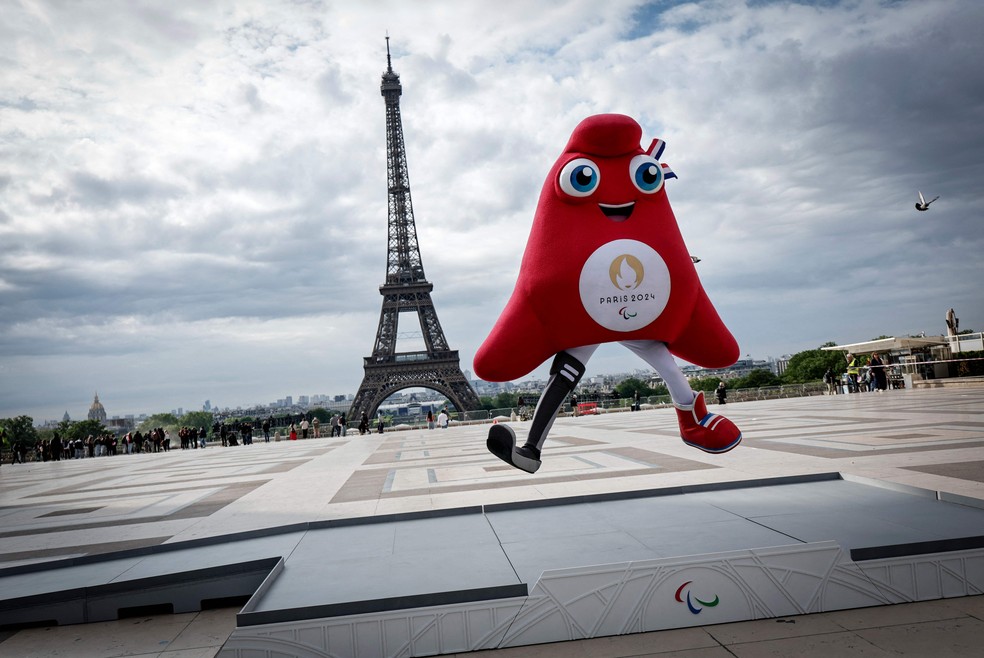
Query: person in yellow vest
[(852, 373)]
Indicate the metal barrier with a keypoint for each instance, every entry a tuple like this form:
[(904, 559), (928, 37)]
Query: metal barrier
[(618, 405)]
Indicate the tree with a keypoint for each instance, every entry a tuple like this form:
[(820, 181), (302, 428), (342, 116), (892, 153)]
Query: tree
[(17, 429), (627, 388), (322, 414), (705, 384), (810, 365), (167, 421), (198, 419), (83, 429), (758, 378), (500, 401), (505, 400)]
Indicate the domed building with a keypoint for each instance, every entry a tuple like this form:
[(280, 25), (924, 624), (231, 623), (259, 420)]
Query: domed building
[(97, 411)]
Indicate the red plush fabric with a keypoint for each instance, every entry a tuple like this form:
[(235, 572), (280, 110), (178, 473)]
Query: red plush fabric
[(588, 277)]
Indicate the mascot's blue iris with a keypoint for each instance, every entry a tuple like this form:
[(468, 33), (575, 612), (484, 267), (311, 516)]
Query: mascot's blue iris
[(646, 174), (580, 177)]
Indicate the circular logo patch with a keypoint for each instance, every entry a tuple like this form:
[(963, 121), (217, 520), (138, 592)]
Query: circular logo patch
[(624, 285)]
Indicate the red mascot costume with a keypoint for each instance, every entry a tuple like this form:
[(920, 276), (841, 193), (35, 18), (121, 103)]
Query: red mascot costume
[(605, 262)]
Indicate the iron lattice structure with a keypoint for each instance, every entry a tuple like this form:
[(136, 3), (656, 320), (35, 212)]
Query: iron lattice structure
[(406, 291)]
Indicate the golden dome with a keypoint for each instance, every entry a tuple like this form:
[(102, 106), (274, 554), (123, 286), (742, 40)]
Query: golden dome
[(97, 411)]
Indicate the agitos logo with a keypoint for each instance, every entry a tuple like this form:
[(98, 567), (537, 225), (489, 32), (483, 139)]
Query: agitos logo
[(626, 313), (690, 601)]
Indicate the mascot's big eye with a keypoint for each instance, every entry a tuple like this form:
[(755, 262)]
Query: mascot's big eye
[(580, 177), (646, 174)]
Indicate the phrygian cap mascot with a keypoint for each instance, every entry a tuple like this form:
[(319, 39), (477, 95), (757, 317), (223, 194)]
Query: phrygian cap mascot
[(605, 262)]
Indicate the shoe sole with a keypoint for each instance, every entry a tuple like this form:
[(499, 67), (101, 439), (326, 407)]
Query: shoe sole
[(715, 452), (502, 444)]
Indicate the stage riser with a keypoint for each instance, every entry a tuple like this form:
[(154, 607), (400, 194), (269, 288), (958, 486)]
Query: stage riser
[(631, 597)]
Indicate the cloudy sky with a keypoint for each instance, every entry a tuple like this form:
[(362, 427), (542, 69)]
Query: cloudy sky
[(193, 193)]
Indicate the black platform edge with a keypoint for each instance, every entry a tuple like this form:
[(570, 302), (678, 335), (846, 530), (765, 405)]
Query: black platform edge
[(665, 491), (391, 518), (917, 548), (454, 597), (893, 486), (160, 549), (264, 565)]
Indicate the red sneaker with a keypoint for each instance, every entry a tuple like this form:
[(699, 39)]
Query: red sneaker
[(706, 431)]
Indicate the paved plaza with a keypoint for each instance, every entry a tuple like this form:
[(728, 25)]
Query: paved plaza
[(928, 439)]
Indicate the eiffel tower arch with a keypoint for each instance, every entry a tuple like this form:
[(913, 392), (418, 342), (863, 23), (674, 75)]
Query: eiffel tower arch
[(406, 292)]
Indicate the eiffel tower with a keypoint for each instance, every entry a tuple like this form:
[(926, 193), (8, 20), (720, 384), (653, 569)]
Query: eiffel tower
[(406, 291)]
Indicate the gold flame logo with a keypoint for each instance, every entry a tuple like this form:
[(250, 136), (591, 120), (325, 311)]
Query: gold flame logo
[(626, 272)]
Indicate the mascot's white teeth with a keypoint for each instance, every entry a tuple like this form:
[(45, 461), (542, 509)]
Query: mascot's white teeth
[(618, 213)]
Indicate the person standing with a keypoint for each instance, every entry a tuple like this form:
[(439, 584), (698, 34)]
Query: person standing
[(317, 427), (880, 378), (430, 419), (304, 428), (852, 373), (722, 393), (293, 432), (442, 419), (573, 405), (266, 430)]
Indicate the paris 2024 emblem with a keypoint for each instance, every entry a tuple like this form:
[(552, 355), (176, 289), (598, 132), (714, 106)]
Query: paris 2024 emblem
[(624, 285)]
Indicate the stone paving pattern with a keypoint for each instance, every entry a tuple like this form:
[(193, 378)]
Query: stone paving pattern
[(932, 439)]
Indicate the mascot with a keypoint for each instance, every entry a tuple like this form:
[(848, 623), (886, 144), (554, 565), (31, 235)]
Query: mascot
[(605, 262)]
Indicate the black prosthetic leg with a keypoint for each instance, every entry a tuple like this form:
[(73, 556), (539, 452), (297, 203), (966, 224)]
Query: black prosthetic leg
[(565, 373)]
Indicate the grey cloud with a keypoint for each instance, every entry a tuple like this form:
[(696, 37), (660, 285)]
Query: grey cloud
[(252, 97), (22, 103), (87, 188), (332, 87)]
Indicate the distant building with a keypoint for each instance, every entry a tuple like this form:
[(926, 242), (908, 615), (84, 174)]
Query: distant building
[(97, 411), (65, 418)]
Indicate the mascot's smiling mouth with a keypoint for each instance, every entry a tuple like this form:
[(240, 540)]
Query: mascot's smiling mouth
[(618, 213)]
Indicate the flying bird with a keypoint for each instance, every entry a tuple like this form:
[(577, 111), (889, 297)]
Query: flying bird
[(923, 204), (695, 259)]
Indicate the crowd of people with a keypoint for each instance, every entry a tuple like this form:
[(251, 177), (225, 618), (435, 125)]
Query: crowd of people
[(160, 439), (108, 444), (338, 427), (872, 377)]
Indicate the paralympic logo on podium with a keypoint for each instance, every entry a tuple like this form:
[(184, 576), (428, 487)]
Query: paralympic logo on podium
[(690, 601)]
